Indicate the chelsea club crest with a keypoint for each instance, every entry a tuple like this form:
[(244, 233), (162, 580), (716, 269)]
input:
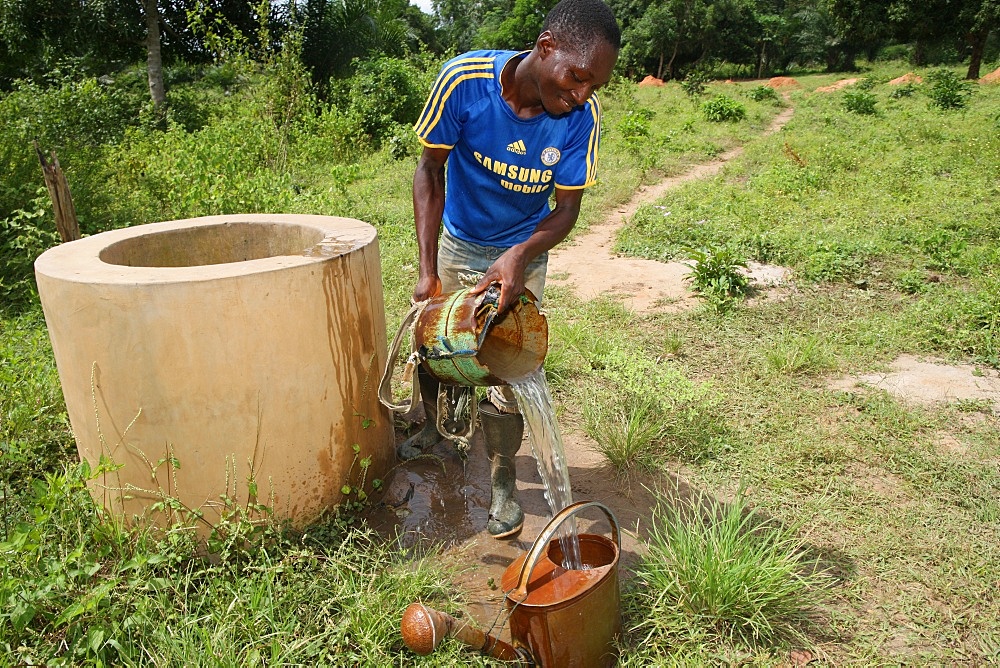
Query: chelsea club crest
[(550, 156)]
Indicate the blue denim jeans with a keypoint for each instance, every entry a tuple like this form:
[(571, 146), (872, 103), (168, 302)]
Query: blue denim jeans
[(461, 264)]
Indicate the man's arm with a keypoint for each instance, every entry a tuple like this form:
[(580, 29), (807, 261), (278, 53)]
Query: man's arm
[(509, 268), (428, 208)]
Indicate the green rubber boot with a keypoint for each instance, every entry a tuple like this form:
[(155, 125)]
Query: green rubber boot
[(503, 432), (428, 435)]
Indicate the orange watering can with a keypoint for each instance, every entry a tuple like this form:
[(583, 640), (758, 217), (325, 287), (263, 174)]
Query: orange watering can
[(558, 617)]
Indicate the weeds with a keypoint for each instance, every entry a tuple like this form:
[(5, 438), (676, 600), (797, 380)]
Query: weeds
[(627, 429), (947, 90), (905, 90), (717, 571), (647, 412), (717, 274), (860, 102), (694, 83), (762, 93), (722, 108), (80, 588)]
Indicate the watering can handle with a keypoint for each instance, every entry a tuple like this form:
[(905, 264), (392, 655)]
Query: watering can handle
[(521, 591), (385, 385)]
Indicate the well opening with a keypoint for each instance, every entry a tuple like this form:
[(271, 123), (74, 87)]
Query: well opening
[(212, 244)]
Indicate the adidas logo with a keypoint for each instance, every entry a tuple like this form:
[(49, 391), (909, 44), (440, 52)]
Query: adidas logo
[(517, 147)]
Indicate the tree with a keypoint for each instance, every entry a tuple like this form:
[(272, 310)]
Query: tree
[(977, 18), (813, 35), (861, 25), (335, 32), (461, 19), (154, 61), (513, 28), (669, 34), (922, 22), (36, 35)]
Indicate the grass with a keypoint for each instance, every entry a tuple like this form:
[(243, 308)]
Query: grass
[(889, 224), (890, 231), (715, 572), (79, 589)]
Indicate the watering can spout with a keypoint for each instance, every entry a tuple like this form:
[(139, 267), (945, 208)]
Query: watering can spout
[(424, 628)]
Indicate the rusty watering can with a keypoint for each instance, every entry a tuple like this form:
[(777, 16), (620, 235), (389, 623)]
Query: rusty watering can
[(558, 617), (463, 340)]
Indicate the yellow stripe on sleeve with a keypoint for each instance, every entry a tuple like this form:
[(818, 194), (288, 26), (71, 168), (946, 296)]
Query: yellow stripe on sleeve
[(595, 138), (440, 109), (439, 93)]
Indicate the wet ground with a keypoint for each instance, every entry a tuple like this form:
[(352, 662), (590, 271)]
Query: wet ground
[(441, 499)]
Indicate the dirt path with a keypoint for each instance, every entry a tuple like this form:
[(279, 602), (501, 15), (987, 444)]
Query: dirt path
[(592, 268)]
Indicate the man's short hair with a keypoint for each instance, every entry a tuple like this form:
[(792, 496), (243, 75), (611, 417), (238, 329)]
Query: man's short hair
[(581, 22)]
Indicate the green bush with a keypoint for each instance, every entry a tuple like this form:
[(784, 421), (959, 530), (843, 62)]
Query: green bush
[(717, 274), (868, 83), (635, 123), (24, 235), (723, 108), (383, 94), (233, 165), (761, 93), (895, 52), (72, 116), (694, 83), (860, 102), (947, 90)]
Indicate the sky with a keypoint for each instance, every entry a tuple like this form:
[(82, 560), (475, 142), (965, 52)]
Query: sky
[(425, 5)]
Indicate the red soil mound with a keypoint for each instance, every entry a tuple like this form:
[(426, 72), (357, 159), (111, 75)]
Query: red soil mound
[(782, 82), (991, 78), (837, 85), (907, 78), (650, 80)]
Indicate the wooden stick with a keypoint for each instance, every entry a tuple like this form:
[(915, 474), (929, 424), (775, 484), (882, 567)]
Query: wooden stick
[(62, 199), (424, 628)]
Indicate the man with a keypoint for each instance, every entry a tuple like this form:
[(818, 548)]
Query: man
[(512, 127)]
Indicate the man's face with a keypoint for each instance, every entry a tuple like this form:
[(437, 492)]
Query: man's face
[(568, 77)]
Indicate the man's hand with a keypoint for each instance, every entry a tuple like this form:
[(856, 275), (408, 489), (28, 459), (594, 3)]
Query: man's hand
[(508, 271), (427, 287)]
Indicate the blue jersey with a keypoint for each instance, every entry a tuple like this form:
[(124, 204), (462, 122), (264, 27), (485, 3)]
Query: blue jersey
[(501, 169)]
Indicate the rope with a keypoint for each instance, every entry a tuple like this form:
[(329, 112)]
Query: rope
[(413, 360)]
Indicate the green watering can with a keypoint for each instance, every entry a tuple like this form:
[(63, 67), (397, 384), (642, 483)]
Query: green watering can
[(462, 339)]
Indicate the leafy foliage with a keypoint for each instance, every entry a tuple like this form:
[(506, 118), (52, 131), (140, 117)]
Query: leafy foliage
[(695, 82), (716, 273), (947, 91), (761, 93), (24, 235), (723, 108), (79, 588), (335, 32), (385, 93), (860, 102), (905, 90)]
